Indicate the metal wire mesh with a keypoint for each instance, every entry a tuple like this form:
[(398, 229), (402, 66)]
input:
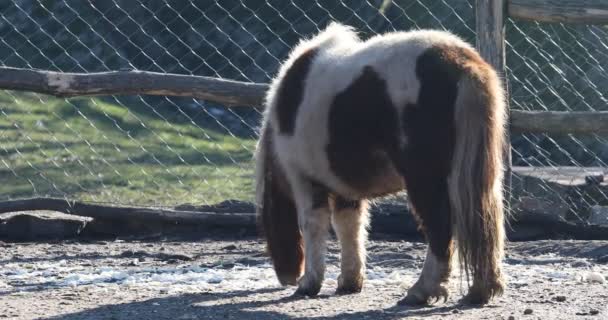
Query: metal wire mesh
[(560, 67), (166, 151)]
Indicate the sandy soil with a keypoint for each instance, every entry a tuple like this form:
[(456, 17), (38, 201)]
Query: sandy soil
[(231, 279)]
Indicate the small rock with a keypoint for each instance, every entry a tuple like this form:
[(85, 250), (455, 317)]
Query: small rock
[(227, 265), (580, 264), (229, 247), (560, 298), (528, 311), (594, 277), (511, 318), (175, 256)]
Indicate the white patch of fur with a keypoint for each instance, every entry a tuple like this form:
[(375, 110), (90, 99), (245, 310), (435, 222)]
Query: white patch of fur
[(314, 224), (433, 271), (431, 283)]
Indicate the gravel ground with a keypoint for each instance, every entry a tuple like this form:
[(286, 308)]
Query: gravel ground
[(231, 279)]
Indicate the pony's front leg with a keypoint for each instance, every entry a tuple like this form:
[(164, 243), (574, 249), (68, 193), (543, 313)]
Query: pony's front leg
[(350, 219), (314, 220)]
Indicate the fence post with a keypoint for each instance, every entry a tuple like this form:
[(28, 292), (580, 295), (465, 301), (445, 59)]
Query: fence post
[(490, 27)]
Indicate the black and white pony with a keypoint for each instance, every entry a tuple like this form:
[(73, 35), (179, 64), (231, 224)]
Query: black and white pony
[(347, 120)]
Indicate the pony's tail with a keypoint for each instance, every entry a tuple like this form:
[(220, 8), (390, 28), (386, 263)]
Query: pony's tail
[(475, 180), (277, 214)]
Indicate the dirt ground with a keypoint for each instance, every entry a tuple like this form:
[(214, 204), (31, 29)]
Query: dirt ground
[(231, 279)]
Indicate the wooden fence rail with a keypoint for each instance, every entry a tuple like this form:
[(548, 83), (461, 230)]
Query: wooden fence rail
[(240, 94), (567, 11)]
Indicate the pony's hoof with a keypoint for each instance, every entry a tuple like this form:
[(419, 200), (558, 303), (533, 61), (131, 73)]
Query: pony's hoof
[(307, 292), (478, 295), (417, 296), (348, 290), (308, 287), (288, 280), (349, 285)]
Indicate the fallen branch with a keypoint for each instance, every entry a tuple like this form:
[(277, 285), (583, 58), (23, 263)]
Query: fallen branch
[(227, 92), (117, 213)]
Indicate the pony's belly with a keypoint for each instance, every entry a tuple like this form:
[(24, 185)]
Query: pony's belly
[(356, 176)]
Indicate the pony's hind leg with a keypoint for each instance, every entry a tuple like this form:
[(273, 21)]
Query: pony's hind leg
[(431, 206), (312, 201), (350, 220)]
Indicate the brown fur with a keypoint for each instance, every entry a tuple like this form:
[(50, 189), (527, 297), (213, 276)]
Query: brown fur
[(277, 215), (477, 173)]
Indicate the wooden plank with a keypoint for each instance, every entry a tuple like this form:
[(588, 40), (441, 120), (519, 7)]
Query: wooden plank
[(555, 122), (489, 23), (567, 11), (226, 92)]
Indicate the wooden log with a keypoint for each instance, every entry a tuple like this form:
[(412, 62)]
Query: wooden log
[(555, 122), (227, 92), (567, 11), (121, 213)]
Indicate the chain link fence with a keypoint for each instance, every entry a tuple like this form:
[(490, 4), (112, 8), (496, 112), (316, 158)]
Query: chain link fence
[(166, 151), (559, 67)]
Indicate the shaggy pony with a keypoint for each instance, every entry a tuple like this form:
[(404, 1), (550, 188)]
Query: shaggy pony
[(347, 120)]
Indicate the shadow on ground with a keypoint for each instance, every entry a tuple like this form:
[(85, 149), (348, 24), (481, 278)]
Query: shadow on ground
[(223, 306)]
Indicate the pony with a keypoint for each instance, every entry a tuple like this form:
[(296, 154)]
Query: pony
[(347, 120)]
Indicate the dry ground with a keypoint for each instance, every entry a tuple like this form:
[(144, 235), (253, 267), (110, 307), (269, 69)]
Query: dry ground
[(231, 279)]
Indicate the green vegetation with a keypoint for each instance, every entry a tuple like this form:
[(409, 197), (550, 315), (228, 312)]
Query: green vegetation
[(111, 151)]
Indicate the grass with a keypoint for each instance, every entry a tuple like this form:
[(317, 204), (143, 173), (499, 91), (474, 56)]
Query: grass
[(109, 150)]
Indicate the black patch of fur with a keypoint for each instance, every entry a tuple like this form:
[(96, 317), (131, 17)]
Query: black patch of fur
[(291, 91), (363, 130), (429, 126), (341, 203)]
